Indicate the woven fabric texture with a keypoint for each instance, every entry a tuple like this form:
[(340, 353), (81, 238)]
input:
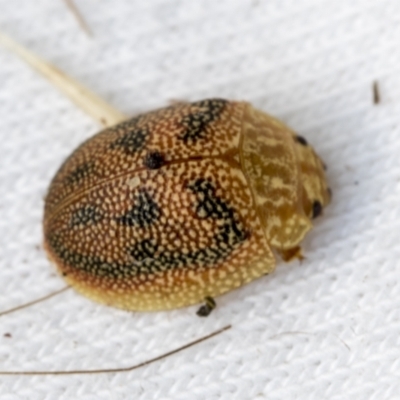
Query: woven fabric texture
[(328, 328)]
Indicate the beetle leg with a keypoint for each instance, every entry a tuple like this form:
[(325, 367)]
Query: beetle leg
[(290, 254), (205, 309)]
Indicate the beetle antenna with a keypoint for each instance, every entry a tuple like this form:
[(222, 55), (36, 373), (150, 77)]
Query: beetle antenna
[(31, 303), (89, 102), (124, 369)]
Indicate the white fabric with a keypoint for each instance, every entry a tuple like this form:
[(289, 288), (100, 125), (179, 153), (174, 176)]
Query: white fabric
[(326, 329)]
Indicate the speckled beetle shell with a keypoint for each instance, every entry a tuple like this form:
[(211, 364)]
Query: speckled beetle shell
[(182, 203)]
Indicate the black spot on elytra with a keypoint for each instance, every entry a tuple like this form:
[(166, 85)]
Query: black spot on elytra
[(133, 140), (316, 209), (90, 264), (148, 256), (144, 212), (154, 160), (79, 173), (231, 233), (209, 205), (196, 122), (85, 216), (301, 140), (146, 249)]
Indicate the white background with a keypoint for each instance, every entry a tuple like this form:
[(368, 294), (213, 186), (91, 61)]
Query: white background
[(326, 329)]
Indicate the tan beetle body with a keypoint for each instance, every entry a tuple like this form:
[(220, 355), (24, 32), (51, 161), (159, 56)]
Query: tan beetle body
[(181, 203)]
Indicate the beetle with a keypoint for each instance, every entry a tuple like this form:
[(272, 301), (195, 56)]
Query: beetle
[(178, 205), (182, 204)]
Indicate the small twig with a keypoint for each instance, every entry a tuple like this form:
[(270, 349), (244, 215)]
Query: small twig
[(375, 89), (31, 303), (126, 369), (74, 9), (81, 96)]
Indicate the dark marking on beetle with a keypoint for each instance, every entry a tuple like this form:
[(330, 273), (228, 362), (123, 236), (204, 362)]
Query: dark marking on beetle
[(376, 93), (196, 122), (316, 209), (146, 249), (86, 215), (144, 212), (95, 266), (133, 140), (301, 140), (148, 257), (74, 262), (79, 173), (209, 205), (154, 160), (230, 235)]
